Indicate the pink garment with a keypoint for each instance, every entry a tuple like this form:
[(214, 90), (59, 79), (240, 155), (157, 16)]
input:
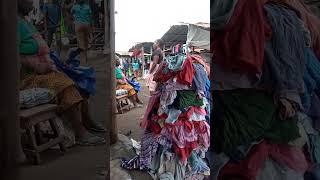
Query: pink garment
[(185, 76), (187, 136), (247, 169), (150, 83), (151, 103), (199, 60)]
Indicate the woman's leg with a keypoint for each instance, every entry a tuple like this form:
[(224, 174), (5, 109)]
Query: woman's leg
[(134, 100), (88, 122), (74, 115), (80, 32), (82, 135)]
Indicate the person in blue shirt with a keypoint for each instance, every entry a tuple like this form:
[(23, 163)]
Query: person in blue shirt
[(82, 16), (135, 68), (52, 14)]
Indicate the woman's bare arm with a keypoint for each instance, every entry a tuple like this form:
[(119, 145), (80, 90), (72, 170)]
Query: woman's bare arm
[(155, 61)]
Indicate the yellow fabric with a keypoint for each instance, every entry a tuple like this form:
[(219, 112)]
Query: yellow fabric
[(127, 87), (67, 94)]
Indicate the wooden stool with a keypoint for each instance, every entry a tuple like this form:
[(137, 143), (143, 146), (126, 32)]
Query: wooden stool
[(122, 103), (30, 118)]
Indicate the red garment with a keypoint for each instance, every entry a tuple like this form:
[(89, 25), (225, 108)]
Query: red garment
[(160, 77), (185, 76), (154, 99), (247, 169), (240, 45), (154, 127), (184, 153)]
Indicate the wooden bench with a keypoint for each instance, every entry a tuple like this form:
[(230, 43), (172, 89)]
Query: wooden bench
[(30, 122), (122, 103)]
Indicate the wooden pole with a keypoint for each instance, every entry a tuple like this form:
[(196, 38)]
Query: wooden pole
[(111, 66), (10, 146)]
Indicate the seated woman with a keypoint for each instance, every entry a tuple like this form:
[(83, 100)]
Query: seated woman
[(38, 71), (122, 83)]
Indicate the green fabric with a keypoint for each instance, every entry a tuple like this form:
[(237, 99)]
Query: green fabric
[(118, 73), (186, 99), (245, 116), (27, 45)]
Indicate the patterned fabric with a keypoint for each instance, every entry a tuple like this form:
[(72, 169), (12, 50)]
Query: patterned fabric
[(66, 93), (149, 148)]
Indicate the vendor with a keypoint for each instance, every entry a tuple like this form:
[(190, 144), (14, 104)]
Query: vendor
[(122, 83), (38, 71)]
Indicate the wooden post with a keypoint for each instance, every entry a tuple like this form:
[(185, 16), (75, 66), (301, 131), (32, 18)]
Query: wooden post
[(10, 146), (143, 61)]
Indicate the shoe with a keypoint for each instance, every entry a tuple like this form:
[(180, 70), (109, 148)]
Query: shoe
[(93, 126), (91, 140), (138, 106), (140, 102)]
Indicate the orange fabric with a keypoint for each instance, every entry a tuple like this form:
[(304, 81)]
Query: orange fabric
[(67, 94)]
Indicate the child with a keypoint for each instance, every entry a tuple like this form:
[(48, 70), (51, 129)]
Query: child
[(82, 16)]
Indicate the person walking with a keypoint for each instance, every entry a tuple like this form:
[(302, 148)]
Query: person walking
[(52, 15), (156, 59), (82, 16)]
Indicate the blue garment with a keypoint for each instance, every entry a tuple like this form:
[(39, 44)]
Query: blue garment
[(200, 79), (284, 59), (82, 14), (173, 115), (136, 85), (83, 77), (52, 12), (197, 164), (175, 62), (311, 78), (135, 66), (314, 148)]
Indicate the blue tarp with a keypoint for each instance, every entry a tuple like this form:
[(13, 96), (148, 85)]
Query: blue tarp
[(83, 77), (136, 86)]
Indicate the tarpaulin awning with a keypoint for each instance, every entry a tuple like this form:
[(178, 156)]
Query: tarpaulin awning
[(198, 37)]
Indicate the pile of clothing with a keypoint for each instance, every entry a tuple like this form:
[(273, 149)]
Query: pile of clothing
[(266, 75), (176, 122)]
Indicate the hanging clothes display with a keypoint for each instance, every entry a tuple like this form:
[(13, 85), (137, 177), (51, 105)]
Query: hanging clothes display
[(177, 134), (266, 75)]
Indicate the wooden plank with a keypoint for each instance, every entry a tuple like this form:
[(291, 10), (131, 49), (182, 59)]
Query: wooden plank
[(27, 113), (39, 118), (51, 143), (121, 97)]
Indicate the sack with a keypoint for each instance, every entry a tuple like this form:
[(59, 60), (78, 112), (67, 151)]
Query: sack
[(36, 96)]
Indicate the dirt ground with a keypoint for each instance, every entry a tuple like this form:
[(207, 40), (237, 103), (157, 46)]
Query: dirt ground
[(128, 122)]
